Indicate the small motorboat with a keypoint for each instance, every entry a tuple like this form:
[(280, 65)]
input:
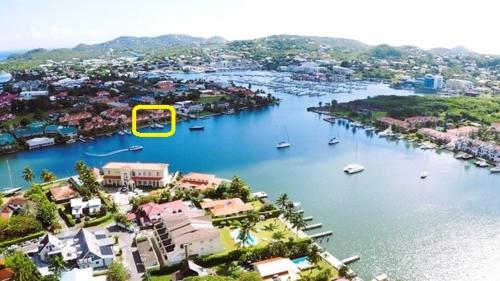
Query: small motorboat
[(196, 128), (495, 169), (424, 174), (481, 163), (333, 141), (128, 132), (91, 138), (353, 168), (70, 141), (282, 144), (109, 134), (135, 147), (121, 133)]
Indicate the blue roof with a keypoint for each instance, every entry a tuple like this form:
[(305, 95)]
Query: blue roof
[(27, 132), (7, 139)]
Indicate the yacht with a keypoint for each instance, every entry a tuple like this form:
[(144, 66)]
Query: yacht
[(159, 126), (495, 169), (196, 128), (121, 133), (428, 146), (333, 141), (282, 144), (109, 134), (82, 139), (128, 132), (135, 147), (386, 133), (424, 174), (353, 168), (481, 163), (91, 138), (369, 128), (70, 141)]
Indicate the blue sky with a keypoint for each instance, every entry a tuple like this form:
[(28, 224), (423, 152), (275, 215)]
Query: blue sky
[(30, 24)]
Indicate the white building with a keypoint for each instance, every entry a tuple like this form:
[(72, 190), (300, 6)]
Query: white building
[(277, 269), (93, 206), (136, 174), (39, 142), (188, 107), (458, 85), (27, 95), (86, 249), (175, 232)]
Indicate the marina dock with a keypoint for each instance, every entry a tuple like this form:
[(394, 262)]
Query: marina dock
[(308, 218), (321, 234), (312, 226), (351, 259)]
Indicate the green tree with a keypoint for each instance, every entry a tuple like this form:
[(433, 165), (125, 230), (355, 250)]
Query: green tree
[(28, 174), (23, 267), (249, 276), (47, 176), (46, 212), (314, 254), (245, 231), (297, 221), (282, 200), (117, 272), (57, 265)]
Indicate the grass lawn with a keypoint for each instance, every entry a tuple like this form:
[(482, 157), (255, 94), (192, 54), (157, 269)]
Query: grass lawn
[(16, 120), (203, 113), (209, 99), (264, 237), (166, 277), (56, 183), (322, 265), (257, 204)]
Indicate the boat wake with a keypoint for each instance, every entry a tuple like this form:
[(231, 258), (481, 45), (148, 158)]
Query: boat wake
[(106, 154)]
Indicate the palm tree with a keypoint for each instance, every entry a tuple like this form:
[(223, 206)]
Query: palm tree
[(314, 254), (270, 227), (57, 265), (245, 232), (47, 176), (80, 167), (297, 221), (28, 174), (278, 235), (282, 200)]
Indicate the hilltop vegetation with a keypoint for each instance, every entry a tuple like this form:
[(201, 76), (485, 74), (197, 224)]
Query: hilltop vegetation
[(484, 109)]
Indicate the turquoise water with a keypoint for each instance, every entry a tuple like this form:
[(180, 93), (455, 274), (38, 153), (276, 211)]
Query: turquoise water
[(442, 228), (250, 241)]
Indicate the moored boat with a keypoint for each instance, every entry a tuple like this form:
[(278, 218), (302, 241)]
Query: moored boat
[(333, 141), (353, 168), (136, 147), (196, 128), (283, 144), (424, 175)]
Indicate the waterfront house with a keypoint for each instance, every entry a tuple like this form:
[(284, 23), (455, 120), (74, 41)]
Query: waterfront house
[(151, 212), (173, 233), (7, 142), (397, 124), (478, 148), (12, 207), (188, 107), (226, 207), (199, 181), (147, 254), (436, 136), (136, 174), (77, 274), (78, 206), (40, 142), (422, 121), (75, 119), (277, 269), (86, 249), (63, 194)]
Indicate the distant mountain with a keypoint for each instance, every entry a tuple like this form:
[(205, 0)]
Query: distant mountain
[(163, 41), (458, 50)]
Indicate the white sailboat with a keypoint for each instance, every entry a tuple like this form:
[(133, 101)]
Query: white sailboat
[(284, 144), (10, 190)]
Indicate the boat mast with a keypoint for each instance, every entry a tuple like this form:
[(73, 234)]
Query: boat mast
[(10, 174)]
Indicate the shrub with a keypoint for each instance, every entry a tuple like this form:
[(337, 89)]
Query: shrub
[(97, 221), (21, 239)]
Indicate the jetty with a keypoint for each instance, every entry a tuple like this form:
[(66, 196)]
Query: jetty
[(312, 226), (321, 234), (351, 259), (308, 218)]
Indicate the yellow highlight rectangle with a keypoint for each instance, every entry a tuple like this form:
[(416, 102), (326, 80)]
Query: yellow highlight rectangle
[(153, 107)]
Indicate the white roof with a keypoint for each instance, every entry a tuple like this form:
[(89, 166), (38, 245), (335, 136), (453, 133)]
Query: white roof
[(94, 202), (77, 274), (277, 265), (36, 141), (136, 166), (76, 202)]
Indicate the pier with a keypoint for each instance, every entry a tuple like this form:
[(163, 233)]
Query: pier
[(312, 226), (351, 259), (321, 234), (308, 218)]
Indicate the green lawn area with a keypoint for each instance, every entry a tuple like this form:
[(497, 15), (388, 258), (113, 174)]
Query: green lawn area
[(322, 265), (209, 99), (257, 204), (16, 120), (166, 277), (56, 183), (264, 237), (203, 113)]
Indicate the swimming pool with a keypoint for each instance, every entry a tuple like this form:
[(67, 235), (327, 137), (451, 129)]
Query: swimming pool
[(250, 241), (302, 263)]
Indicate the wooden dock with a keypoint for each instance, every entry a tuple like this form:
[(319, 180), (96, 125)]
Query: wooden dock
[(321, 234), (309, 218), (351, 259), (312, 226)]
